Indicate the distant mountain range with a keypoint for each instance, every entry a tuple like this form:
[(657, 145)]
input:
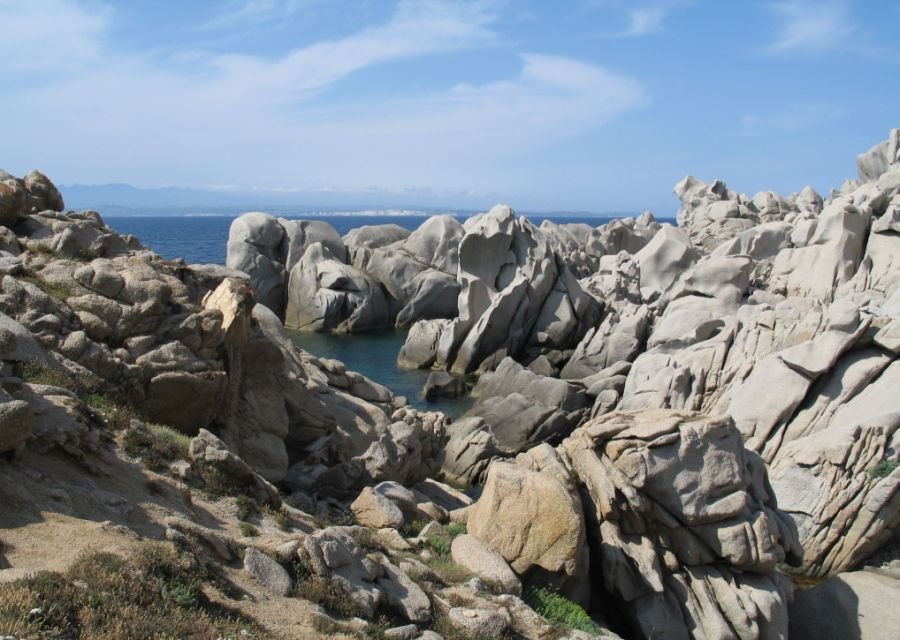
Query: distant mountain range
[(125, 199)]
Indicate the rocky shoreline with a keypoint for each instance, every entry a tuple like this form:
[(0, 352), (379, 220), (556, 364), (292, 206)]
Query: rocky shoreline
[(674, 426)]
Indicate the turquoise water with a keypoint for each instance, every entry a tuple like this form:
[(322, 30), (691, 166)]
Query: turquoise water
[(375, 356)]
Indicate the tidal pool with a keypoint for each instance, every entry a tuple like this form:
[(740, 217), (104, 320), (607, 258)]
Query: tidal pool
[(375, 356)]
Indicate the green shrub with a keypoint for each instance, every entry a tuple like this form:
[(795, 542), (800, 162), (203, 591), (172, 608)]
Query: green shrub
[(245, 506), (181, 594), (248, 530), (456, 529), (115, 415), (438, 545), (217, 484), (883, 469), (282, 520), (179, 440), (59, 290), (37, 373), (559, 609), (155, 445), (448, 570)]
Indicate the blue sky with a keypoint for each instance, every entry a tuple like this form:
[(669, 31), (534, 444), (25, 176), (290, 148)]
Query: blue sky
[(598, 105)]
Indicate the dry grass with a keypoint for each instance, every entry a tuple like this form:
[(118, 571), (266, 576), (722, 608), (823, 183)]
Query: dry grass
[(155, 594), (155, 445)]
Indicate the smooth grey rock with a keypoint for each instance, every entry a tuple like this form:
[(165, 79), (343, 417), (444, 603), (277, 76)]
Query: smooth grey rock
[(860, 605), (403, 594), (324, 294), (254, 247), (479, 623), (484, 562), (441, 384), (16, 423), (687, 477), (267, 572), (421, 346), (375, 236)]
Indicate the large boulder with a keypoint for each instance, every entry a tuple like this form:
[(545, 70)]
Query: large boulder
[(374, 236), (531, 514), (436, 243), (255, 242), (685, 524), (872, 164), (524, 408), (516, 295), (12, 199), (486, 563), (324, 294), (42, 194)]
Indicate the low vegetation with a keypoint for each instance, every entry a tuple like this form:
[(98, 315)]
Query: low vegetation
[(155, 445), (438, 545), (116, 415), (155, 594), (58, 290), (245, 506), (558, 609), (248, 530), (883, 469), (282, 520)]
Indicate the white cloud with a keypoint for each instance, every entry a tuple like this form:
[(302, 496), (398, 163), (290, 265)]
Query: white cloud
[(246, 120), (642, 19), (807, 27), (237, 13), (416, 29), (50, 35)]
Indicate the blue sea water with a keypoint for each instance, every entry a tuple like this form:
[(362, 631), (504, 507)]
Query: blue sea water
[(203, 239)]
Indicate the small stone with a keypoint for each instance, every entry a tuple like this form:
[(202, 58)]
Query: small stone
[(479, 623), (267, 572), (406, 632)]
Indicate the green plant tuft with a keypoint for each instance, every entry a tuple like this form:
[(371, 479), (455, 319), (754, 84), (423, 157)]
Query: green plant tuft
[(248, 530), (883, 469), (155, 445), (58, 290), (245, 506), (438, 545), (558, 609), (282, 520), (455, 529)]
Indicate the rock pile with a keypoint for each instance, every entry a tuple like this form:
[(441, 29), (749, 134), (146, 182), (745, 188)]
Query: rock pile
[(671, 423)]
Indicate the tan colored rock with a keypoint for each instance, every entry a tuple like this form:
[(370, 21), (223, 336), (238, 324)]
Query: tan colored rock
[(383, 506), (531, 515)]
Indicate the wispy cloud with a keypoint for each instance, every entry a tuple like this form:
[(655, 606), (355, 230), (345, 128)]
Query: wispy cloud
[(236, 13), (248, 121), (809, 27), (51, 35), (640, 19)]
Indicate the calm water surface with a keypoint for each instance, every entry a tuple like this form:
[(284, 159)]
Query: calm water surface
[(375, 356)]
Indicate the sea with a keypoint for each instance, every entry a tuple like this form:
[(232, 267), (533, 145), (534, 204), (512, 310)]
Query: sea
[(202, 238)]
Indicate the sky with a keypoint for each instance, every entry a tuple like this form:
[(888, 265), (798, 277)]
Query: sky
[(580, 105)]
